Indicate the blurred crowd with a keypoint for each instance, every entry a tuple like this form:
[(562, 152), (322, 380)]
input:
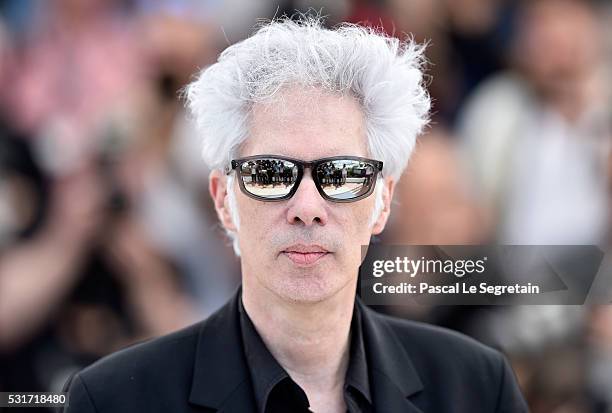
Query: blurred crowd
[(107, 232)]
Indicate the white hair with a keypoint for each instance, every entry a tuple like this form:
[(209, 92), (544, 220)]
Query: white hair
[(383, 73), (233, 207)]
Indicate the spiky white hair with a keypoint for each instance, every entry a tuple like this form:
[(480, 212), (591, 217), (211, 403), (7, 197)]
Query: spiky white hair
[(383, 73)]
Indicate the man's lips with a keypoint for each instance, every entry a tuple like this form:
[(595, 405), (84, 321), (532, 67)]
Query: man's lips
[(305, 254)]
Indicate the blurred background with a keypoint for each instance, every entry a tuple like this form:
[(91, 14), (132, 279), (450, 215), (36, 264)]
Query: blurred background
[(107, 232)]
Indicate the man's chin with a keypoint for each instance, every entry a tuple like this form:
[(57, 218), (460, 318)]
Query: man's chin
[(306, 288)]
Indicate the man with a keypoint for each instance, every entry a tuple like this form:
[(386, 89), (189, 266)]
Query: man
[(253, 173), (295, 338)]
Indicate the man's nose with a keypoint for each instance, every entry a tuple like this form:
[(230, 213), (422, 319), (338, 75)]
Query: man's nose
[(307, 206)]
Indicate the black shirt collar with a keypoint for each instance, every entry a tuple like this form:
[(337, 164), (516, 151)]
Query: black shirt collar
[(270, 380)]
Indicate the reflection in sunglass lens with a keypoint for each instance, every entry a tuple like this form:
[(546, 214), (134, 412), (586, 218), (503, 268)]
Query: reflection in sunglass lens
[(345, 178), (268, 177)]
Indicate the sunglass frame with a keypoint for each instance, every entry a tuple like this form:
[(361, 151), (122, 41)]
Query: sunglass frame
[(302, 165)]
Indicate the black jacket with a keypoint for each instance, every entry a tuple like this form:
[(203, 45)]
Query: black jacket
[(413, 368)]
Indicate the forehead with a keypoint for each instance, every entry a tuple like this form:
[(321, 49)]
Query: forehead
[(307, 123)]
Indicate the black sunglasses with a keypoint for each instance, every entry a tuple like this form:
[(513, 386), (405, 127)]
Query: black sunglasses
[(276, 178)]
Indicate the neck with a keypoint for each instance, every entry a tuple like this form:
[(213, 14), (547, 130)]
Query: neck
[(309, 340)]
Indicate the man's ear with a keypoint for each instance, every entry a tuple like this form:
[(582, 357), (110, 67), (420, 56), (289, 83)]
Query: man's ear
[(217, 186), (381, 221)]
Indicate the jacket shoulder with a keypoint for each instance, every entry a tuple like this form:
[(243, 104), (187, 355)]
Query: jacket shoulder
[(127, 379), (474, 377), (435, 350), (163, 353)]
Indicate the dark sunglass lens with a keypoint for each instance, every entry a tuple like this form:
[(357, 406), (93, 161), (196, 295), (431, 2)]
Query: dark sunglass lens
[(346, 179), (268, 177)]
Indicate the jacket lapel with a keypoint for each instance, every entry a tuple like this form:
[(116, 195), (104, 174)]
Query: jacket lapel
[(393, 377), (220, 377)]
